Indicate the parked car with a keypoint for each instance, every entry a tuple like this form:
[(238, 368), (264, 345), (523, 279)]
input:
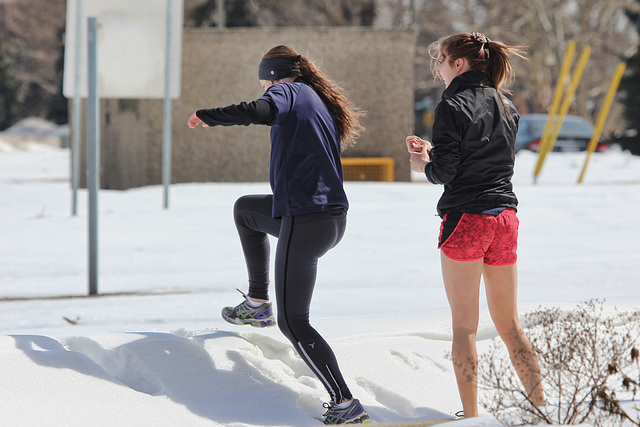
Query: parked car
[(574, 135)]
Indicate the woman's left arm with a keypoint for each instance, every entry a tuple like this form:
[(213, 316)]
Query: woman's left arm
[(448, 131)]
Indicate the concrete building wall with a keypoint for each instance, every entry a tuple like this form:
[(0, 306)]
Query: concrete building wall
[(219, 67)]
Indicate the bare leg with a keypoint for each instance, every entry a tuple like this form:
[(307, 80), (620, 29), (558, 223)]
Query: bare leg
[(462, 285), (502, 292)]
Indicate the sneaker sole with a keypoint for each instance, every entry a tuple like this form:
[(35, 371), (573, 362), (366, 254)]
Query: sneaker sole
[(361, 420), (356, 421), (267, 323)]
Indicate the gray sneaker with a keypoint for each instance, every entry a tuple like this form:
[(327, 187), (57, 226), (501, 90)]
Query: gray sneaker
[(352, 414), (245, 314)]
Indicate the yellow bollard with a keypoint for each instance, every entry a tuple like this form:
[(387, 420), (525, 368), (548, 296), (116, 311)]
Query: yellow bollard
[(602, 116), (566, 103), (557, 96)]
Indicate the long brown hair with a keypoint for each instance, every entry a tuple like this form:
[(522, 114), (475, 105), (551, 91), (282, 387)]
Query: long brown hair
[(480, 53), (346, 115)]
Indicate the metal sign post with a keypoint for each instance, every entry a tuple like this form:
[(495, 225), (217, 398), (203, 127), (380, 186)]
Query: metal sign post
[(93, 151), (166, 121), (77, 112), (132, 62)]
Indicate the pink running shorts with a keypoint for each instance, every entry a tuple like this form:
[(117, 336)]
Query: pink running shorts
[(471, 237)]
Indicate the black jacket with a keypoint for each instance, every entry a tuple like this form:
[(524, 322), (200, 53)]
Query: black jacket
[(473, 146)]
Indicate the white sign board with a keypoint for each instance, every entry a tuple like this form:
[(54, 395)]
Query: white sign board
[(131, 47)]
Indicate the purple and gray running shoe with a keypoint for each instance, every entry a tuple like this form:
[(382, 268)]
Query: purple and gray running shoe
[(354, 413), (245, 314)]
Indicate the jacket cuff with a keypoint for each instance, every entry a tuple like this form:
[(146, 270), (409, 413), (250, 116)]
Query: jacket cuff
[(201, 116), (427, 172)]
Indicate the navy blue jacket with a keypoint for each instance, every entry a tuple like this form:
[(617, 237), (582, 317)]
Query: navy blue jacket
[(473, 151), (305, 170)]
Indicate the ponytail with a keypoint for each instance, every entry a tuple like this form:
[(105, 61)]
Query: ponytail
[(482, 54), (346, 115)]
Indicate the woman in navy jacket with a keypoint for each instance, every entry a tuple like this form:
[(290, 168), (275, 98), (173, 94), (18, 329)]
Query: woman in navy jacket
[(472, 154), (311, 122)]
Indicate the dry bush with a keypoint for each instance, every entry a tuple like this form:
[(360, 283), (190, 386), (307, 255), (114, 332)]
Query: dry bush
[(588, 364)]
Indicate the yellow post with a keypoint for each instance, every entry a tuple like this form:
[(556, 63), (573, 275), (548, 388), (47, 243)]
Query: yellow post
[(557, 96), (566, 103), (604, 111)]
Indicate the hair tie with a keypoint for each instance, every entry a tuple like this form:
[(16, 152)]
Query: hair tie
[(480, 38)]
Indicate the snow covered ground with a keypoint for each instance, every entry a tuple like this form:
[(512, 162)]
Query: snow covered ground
[(153, 350)]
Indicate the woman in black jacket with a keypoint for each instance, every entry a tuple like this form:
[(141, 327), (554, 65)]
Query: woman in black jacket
[(472, 154)]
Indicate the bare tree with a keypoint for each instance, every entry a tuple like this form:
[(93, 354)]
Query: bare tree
[(31, 30), (547, 26), (251, 13), (543, 26), (589, 365)]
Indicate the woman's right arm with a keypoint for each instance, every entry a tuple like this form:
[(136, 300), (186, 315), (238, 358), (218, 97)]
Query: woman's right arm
[(258, 112)]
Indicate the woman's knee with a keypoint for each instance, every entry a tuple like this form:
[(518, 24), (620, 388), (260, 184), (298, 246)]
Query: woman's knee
[(462, 332), (241, 205), (295, 327), (253, 212), (288, 330), (284, 328), (464, 324)]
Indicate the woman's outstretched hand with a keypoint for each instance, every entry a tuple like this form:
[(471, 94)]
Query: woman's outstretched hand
[(195, 120)]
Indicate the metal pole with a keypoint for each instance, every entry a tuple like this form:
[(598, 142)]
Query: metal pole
[(166, 122), (564, 108), (93, 152), (555, 103), (221, 12), (77, 112), (566, 102), (604, 111)]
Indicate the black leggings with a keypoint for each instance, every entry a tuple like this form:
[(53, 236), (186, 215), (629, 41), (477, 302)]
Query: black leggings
[(302, 240)]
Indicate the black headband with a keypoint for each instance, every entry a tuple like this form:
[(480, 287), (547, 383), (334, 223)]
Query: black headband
[(279, 68)]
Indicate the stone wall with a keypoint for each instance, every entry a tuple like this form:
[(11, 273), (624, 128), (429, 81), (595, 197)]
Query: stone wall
[(220, 68)]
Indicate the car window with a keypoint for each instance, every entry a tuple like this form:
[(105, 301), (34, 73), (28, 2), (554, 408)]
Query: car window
[(577, 129), (570, 128)]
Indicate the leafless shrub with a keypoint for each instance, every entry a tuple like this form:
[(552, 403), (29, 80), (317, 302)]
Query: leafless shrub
[(588, 363)]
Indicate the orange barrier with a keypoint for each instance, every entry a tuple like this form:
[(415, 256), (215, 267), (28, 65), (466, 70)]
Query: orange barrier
[(368, 169)]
